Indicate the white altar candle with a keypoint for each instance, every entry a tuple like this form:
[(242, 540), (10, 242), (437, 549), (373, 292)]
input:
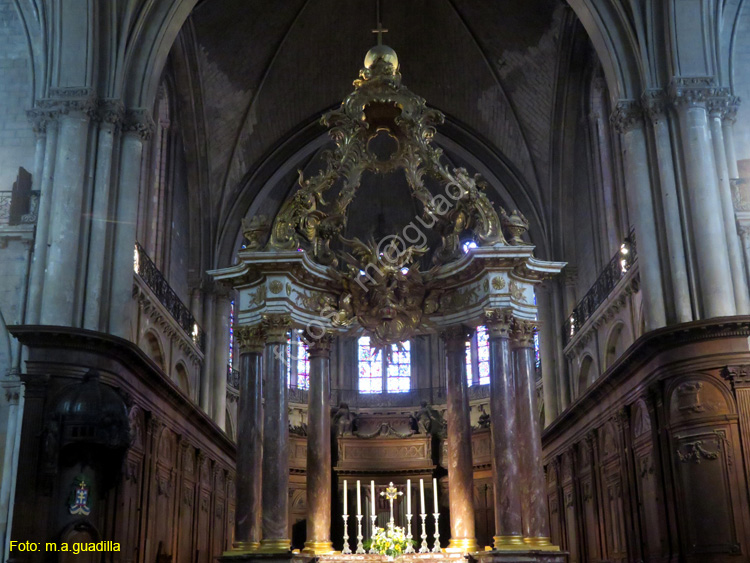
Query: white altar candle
[(434, 491), (359, 501), (344, 496), (421, 495), (372, 493), (408, 496)]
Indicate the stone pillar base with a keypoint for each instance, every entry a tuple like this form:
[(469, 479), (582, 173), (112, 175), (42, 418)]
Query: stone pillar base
[(519, 556), (318, 547)]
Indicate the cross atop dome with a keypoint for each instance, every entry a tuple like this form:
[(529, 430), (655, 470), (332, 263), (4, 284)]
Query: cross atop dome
[(380, 31)]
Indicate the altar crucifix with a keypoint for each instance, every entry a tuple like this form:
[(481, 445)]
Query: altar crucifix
[(391, 493)]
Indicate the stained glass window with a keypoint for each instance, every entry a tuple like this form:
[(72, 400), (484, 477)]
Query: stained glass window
[(373, 366), (297, 362), (483, 354), (370, 367), (231, 335), (478, 357), (399, 369), (303, 365)]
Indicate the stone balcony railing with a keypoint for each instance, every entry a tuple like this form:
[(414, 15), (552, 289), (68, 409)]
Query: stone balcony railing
[(605, 322)]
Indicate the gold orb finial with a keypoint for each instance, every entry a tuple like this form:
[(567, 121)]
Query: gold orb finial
[(381, 52)]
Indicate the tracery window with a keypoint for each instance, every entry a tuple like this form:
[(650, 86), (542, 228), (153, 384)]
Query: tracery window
[(378, 374), (297, 361), (478, 357)]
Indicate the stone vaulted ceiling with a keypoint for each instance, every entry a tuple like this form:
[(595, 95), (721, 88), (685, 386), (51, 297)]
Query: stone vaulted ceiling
[(267, 69)]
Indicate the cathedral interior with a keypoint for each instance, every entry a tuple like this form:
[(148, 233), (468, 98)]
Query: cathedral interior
[(282, 279)]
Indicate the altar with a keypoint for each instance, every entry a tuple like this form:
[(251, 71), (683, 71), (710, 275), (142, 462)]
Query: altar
[(304, 275)]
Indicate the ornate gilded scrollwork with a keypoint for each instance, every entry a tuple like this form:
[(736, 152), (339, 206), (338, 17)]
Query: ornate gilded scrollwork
[(380, 104)]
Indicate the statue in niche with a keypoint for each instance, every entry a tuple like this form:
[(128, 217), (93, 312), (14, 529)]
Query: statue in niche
[(343, 420), (428, 419), (484, 418)]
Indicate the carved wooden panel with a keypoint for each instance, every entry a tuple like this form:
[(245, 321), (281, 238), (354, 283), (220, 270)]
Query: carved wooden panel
[(384, 454), (484, 511), (703, 450), (570, 507), (553, 499), (297, 452), (702, 460)]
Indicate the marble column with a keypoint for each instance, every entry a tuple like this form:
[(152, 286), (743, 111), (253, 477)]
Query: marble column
[(716, 291), (532, 483), (36, 277), (222, 311), (319, 447), (62, 278), (460, 466), (736, 262), (249, 440), (505, 476), (136, 131), (628, 120), (657, 112), (276, 538)]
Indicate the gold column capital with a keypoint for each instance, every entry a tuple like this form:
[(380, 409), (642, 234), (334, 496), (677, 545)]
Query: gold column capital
[(276, 328), (319, 345), (251, 339), (499, 322), (522, 335)]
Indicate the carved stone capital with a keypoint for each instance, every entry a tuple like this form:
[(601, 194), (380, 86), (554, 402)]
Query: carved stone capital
[(627, 115), (456, 336), (251, 339), (276, 328), (655, 105), (111, 111), (499, 322), (319, 345), (722, 103), (522, 335), (140, 122), (691, 90)]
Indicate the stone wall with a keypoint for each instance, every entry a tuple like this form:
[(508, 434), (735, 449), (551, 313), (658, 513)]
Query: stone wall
[(647, 464), (16, 135)]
